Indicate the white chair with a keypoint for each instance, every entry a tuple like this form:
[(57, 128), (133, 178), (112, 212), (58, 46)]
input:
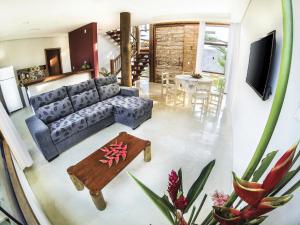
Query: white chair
[(216, 94), (164, 79), (201, 95), (174, 91)]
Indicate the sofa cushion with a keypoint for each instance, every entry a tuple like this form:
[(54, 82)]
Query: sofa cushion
[(67, 126), (55, 110), (80, 87), (131, 107), (96, 112), (48, 97), (85, 99), (105, 81), (108, 91)]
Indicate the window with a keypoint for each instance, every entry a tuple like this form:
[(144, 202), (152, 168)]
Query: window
[(215, 48), (145, 32)]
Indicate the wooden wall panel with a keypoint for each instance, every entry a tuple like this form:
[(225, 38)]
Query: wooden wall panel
[(83, 47), (175, 48)]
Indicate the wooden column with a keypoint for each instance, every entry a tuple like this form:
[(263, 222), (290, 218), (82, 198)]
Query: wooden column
[(125, 27), (138, 39), (151, 54)]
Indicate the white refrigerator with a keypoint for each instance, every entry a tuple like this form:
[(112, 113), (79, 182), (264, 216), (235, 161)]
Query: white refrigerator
[(9, 89)]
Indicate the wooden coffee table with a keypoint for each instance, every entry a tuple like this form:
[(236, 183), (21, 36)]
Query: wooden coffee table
[(94, 175)]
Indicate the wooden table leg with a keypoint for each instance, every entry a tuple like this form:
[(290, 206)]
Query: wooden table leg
[(147, 152), (77, 183), (98, 200)]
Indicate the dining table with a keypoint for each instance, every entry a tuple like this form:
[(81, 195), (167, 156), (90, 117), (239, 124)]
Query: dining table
[(187, 83)]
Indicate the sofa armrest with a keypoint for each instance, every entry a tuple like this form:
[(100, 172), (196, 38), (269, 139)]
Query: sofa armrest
[(41, 135), (127, 91)]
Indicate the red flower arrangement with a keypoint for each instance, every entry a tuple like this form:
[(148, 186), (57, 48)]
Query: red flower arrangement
[(260, 197), (256, 194), (114, 152)]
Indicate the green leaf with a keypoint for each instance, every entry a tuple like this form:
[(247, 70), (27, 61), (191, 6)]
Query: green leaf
[(180, 180), (198, 185), (192, 214), (293, 188), (257, 221), (297, 155), (263, 166), (285, 180), (155, 198), (199, 209), (166, 201)]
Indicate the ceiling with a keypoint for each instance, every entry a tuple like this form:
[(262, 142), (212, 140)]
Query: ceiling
[(45, 18)]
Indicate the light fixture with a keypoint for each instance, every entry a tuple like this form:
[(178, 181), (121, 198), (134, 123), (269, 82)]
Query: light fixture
[(35, 29)]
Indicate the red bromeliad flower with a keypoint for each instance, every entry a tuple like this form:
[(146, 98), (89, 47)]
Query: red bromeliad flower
[(174, 185), (254, 194), (181, 203)]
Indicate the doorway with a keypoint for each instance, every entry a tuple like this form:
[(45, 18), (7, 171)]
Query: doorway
[(53, 61)]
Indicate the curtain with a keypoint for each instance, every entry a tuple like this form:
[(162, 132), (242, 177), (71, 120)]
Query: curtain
[(14, 140)]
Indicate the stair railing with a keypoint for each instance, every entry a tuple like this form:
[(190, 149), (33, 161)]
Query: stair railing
[(115, 65)]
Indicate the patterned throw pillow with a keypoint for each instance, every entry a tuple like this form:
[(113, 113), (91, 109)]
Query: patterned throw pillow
[(85, 99), (81, 87), (55, 110), (108, 91), (48, 97), (105, 81)]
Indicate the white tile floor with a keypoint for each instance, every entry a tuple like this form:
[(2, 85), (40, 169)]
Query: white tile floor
[(180, 138)]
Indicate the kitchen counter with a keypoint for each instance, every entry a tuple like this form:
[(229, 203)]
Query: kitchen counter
[(55, 77)]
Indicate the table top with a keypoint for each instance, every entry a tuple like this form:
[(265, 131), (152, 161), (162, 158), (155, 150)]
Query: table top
[(95, 175), (187, 77)]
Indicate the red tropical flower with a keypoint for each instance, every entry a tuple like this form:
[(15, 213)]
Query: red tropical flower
[(181, 203), (252, 192), (266, 205), (174, 185), (279, 170), (227, 216)]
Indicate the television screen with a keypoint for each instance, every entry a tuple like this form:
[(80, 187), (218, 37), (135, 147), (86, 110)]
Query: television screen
[(258, 75)]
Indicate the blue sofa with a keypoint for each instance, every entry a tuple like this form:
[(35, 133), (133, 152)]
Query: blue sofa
[(67, 115)]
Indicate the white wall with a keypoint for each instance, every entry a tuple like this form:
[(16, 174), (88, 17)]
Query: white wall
[(25, 53), (107, 50), (40, 88), (249, 112)]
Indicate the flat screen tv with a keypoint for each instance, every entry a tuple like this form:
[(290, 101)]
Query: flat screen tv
[(259, 67)]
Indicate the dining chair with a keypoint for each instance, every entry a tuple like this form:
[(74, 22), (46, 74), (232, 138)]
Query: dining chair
[(174, 91), (216, 94), (201, 95), (164, 80)]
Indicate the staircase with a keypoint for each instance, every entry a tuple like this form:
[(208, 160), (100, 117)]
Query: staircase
[(115, 35), (139, 61)]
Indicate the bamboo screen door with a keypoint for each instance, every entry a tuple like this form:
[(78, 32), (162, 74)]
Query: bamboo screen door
[(175, 48)]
